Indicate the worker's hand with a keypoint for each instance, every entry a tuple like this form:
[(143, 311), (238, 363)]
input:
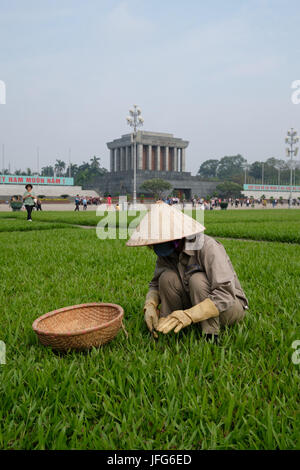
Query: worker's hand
[(181, 318), (151, 318), (176, 320), (151, 311)]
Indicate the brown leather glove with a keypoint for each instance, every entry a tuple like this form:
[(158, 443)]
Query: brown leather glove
[(181, 318), (151, 311)]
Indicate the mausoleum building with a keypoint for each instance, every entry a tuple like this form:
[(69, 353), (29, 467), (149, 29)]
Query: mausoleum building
[(155, 152), (158, 155)]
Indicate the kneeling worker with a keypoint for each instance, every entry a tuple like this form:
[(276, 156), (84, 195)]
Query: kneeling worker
[(194, 280)]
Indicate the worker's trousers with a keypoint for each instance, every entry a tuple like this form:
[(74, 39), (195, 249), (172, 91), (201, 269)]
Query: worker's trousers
[(174, 297)]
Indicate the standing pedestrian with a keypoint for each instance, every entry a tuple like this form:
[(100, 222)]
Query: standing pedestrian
[(84, 202), (28, 198), (109, 201), (77, 203)]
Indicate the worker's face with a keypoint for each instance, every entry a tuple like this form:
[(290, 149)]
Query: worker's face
[(179, 244), (167, 248)]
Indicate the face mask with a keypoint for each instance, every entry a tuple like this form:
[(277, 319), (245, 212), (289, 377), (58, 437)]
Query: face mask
[(164, 249)]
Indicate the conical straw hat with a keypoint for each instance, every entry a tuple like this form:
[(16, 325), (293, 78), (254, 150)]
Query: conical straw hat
[(163, 223)]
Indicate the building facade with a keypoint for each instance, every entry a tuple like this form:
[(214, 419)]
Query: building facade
[(155, 152), (158, 155)]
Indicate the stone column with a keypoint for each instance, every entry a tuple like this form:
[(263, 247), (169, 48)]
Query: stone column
[(139, 165), (149, 157), (129, 157), (182, 159), (175, 159), (112, 161), (167, 158), (126, 158), (116, 159), (158, 158), (121, 159)]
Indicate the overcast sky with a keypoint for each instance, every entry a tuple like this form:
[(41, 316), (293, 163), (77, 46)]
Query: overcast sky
[(217, 73)]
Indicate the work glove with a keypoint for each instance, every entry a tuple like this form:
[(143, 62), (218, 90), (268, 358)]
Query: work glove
[(181, 318), (151, 311)]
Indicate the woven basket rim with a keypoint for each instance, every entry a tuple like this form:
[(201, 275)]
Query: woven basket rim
[(74, 307)]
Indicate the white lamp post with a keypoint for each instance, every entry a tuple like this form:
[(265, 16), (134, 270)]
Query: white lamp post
[(278, 168), (291, 151), (246, 167), (134, 120)]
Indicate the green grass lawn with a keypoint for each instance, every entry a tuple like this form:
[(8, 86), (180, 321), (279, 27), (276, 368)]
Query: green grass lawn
[(271, 231), (22, 225), (175, 393), (269, 224)]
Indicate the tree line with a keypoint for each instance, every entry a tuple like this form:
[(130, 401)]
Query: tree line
[(228, 171), (232, 168)]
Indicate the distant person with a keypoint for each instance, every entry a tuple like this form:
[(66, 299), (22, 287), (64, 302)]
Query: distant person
[(84, 202), (77, 203), (28, 198), (109, 199), (38, 204)]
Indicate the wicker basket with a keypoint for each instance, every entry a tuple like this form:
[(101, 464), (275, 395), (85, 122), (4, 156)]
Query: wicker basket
[(79, 326)]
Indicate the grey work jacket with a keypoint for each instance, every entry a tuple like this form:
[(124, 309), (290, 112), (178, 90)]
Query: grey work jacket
[(211, 259)]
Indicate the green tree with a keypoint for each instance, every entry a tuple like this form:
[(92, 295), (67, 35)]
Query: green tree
[(208, 169), (74, 170), (156, 187), (47, 171), (87, 173), (230, 167), (59, 167), (95, 162), (255, 170), (271, 171), (229, 189)]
